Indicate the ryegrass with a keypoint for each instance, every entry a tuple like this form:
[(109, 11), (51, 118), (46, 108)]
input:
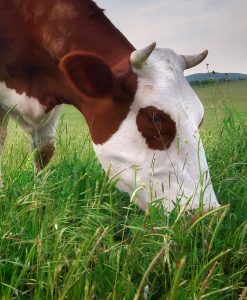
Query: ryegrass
[(69, 234)]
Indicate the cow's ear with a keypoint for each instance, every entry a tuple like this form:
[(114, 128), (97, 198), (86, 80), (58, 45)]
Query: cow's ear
[(88, 74)]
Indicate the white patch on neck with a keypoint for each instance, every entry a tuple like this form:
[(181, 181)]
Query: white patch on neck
[(27, 110)]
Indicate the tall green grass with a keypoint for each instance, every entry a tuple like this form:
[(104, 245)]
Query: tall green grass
[(68, 233)]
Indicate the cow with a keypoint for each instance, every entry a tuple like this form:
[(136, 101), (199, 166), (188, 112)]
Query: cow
[(142, 115)]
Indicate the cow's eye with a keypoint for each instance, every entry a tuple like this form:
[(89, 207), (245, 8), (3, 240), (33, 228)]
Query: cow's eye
[(156, 118)]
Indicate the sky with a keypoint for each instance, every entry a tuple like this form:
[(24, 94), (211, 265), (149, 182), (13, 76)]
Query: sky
[(187, 27)]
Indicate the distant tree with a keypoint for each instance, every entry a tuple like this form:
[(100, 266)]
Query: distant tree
[(195, 82)]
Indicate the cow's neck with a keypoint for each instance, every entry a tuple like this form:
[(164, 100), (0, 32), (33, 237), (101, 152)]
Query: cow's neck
[(48, 30), (80, 25), (41, 33)]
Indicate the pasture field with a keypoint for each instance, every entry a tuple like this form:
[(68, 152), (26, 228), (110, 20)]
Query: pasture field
[(68, 233)]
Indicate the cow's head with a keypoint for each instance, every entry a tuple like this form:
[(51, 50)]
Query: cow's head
[(144, 120)]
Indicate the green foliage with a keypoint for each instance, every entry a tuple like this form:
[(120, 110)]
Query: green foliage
[(68, 233)]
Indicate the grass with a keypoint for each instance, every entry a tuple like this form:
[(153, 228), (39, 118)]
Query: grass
[(216, 96), (69, 234)]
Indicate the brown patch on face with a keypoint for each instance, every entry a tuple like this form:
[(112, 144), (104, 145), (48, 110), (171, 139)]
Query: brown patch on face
[(156, 127)]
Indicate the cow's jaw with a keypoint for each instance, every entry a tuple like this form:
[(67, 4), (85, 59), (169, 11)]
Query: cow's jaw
[(178, 171)]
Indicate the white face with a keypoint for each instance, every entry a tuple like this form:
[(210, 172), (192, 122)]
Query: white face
[(178, 171)]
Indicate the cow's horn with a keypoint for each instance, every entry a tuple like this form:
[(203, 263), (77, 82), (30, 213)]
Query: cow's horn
[(138, 57), (193, 60)]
